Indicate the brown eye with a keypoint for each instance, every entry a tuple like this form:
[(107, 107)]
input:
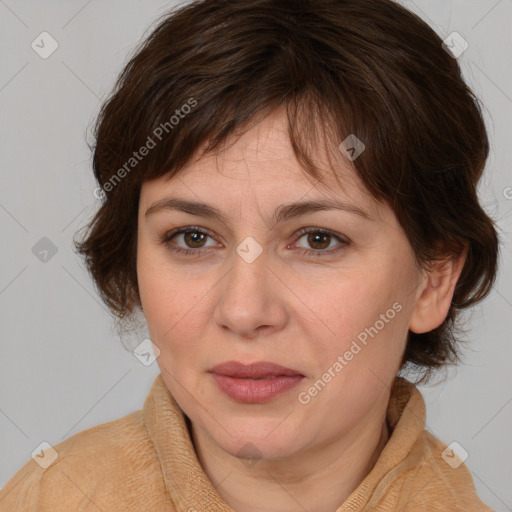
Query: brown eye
[(318, 240), (194, 239)]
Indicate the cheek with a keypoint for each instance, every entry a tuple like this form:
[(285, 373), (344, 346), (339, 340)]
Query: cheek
[(352, 302), (171, 301), (357, 362), (366, 317)]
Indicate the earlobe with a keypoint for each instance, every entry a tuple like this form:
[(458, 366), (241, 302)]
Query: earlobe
[(437, 289)]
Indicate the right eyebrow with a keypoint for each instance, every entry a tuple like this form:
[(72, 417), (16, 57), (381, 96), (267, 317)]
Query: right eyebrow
[(282, 213)]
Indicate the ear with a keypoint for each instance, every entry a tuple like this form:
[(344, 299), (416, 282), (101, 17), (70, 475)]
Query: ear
[(435, 293)]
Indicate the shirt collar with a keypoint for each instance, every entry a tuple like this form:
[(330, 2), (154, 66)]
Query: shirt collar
[(190, 488)]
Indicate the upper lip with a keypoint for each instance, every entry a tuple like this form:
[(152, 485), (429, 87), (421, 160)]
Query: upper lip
[(257, 369)]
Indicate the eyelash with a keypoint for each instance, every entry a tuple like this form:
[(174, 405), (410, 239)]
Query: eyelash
[(308, 252)]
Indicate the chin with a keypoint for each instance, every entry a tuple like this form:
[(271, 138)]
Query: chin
[(253, 444), (251, 451)]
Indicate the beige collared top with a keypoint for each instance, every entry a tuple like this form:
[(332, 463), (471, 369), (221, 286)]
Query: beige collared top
[(146, 461)]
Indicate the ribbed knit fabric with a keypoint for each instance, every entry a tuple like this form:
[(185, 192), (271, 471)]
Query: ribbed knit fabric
[(145, 461)]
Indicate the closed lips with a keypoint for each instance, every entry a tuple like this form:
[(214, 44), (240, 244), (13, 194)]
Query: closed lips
[(253, 371)]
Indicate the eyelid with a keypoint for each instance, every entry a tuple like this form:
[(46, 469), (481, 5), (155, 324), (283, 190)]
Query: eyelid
[(300, 232), (314, 229), (344, 241), (178, 231), (189, 228)]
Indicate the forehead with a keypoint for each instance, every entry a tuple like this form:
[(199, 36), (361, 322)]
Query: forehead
[(259, 168), (261, 163)]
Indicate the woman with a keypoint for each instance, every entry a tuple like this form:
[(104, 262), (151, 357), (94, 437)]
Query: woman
[(289, 196)]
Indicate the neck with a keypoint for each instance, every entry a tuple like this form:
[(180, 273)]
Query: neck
[(319, 479)]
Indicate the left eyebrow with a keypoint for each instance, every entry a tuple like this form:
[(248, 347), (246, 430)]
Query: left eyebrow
[(288, 211), (281, 214)]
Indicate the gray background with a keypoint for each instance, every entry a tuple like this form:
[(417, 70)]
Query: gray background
[(63, 368)]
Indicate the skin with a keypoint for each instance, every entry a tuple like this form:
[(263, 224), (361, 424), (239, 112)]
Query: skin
[(298, 310)]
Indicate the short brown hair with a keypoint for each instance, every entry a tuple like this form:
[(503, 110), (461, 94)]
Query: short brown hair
[(364, 67)]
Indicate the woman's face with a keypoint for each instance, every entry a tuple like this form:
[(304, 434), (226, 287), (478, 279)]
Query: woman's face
[(262, 283)]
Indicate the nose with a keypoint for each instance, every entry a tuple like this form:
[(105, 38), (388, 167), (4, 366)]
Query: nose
[(251, 298)]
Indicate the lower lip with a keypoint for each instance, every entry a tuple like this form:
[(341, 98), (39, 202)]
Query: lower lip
[(254, 391)]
